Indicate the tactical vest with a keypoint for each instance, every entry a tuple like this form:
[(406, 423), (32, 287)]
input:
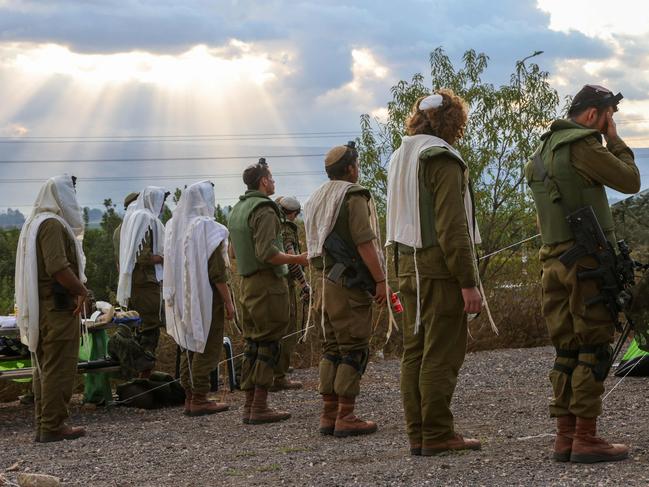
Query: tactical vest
[(564, 190), (342, 223), (427, 201), (241, 234)]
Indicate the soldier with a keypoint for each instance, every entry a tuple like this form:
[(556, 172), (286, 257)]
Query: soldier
[(431, 222), (342, 232), (291, 208), (569, 171), (256, 234), (50, 296), (197, 266), (140, 244)]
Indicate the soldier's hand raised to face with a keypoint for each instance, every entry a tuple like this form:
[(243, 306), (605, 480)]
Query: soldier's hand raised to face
[(611, 127), (472, 299)]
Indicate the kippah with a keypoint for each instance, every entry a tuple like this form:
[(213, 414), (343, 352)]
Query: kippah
[(130, 198), (335, 154)]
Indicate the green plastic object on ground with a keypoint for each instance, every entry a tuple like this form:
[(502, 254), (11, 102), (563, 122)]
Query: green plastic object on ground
[(16, 364), (96, 388), (635, 362)]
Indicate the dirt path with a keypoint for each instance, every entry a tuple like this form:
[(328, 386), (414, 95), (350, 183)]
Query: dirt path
[(501, 398)]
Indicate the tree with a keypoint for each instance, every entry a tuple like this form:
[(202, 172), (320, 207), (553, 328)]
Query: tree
[(504, 125)]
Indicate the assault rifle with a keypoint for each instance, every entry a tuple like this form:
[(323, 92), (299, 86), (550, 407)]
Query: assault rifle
[(615, 274), (349, 265)]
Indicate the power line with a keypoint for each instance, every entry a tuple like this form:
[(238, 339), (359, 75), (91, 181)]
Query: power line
[(152, 159)]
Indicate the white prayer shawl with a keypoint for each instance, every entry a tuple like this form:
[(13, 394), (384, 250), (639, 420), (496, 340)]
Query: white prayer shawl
[(141, 216), (57, 199), (402, 224), (192, 235)]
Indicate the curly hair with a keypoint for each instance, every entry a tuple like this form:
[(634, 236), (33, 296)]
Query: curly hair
[(446, 122)]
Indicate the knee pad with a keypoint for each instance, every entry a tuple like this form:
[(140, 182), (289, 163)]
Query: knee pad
[(603, 353), (269, 352), (566, 360), (333, 358), (357, 359)]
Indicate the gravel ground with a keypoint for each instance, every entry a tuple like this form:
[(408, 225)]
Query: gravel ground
[(501, 398)]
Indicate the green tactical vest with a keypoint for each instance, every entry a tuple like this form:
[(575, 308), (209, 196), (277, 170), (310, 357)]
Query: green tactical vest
[(564, 190), (427, 202), (241, 234)]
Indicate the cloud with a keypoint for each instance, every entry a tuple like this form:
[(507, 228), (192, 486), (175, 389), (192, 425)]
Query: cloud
[(13, 130)]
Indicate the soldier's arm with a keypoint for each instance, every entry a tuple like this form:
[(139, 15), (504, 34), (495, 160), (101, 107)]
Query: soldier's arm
[(612, 166), (265, 227), (444, 177), (218, 275)]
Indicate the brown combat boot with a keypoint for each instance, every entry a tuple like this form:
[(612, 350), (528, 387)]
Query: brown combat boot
[(329, 413), (456, 442), (415, 447), (588, 448), (563, 440), (260, 413), (188, 400), (201, 405), (250, 394), (65, 433), (348, 424), (285, 384)]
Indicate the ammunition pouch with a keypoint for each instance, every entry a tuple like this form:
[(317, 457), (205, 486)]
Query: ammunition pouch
[(357, 360), (349, 268), (603, 353)]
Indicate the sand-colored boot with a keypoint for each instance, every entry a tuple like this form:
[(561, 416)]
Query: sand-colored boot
[(587, 447), (456, 442), (65, 433), (329, 413), (188, 400), (347, 423), (563, 440), (245, 416), (260, 413), (200, 405)]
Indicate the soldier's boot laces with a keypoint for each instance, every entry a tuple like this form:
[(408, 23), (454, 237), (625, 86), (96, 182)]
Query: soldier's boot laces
[(347, 423), (250, 394), (201, 405), (188, 400), (65, 433), (329, 413), (564, 438), (589, 448), (260, 413), (456, 442)]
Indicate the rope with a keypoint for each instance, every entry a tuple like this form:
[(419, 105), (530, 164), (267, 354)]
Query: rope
[(509, 246), (621, 380)]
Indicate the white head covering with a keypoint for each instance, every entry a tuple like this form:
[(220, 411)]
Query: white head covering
[(141, 216), (57, 199), (192, 235)]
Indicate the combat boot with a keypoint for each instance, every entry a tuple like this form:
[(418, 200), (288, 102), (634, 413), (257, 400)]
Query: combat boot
[(65, 433), (329, 413), (588, 448), (188, 400), (201, 405), (285, 384), (456, 442), (563, 440), (347, 423), (260, 413), (250, 394)]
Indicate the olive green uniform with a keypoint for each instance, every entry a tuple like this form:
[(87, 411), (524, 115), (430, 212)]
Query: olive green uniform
[(256, 234), (576, 160), (57, 353), (347, 311), (290, 238), (432, 358), (145, 292), (202, 364)]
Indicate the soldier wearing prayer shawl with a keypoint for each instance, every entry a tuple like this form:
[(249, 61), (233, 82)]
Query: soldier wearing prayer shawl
[(256, 233), (430, 219), (196, 294), (50, 296), (141, 249), (342, 240)]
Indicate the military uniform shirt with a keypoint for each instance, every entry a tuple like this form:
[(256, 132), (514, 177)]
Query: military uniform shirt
[(265, 227), (56, 251)]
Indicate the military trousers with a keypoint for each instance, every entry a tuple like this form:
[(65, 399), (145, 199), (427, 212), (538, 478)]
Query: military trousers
[(195, 367), (55, 369), (431, 358), (264, 318), (347, 327), (581, 336), (289, 343), (145, 299)]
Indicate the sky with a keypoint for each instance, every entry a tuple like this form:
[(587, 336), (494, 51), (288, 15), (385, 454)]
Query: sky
[(261, 78)]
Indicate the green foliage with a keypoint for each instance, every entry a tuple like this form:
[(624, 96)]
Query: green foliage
[(504, 125), (8, 245)]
